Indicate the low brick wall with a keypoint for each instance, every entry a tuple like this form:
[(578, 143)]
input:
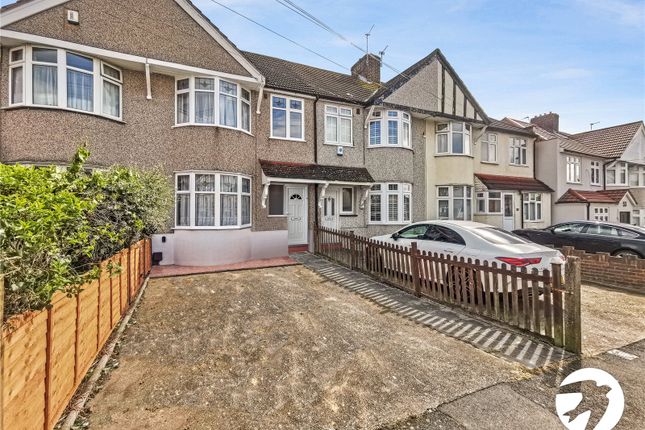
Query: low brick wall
[(601, 268)]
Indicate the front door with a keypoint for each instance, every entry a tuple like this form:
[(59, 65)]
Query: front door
[(297, 214), (330, 210), (625, 217), (508, 222)]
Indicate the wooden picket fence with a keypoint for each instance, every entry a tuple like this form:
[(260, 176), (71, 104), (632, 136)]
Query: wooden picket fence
[(538, 302), (46, 354)]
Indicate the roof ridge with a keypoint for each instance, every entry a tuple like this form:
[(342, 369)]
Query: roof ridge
[(607, 128), (299, 64)]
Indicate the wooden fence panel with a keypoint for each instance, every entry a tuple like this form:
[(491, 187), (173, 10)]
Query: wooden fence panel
[(535, 301)]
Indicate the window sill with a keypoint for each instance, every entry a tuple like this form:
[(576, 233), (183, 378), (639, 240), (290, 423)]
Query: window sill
[(211, 125), (533, 221), (389, 146), (277, 216), (518, 165), (389, 223), (574, 183), (490, 162), (287, 139), (596, 185), (489, 214), (347, 145), (454, 155), (25, 106), (348, 215)]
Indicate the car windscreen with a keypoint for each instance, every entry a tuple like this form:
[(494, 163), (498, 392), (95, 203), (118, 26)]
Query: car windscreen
[(498, 236)]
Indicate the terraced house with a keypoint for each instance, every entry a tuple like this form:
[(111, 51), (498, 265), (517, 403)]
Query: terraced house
[(597, 175), (258, 149)]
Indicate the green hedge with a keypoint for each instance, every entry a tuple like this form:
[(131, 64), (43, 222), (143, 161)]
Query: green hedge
[(55, 226)]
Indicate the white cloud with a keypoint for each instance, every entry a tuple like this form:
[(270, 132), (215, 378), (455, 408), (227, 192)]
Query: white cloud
[(568, 73), (626, 12)]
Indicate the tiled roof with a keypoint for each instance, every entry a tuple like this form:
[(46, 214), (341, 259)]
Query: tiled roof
[(508, 127), (600, 196), (289, 76), (516, 183), (580, 148), (610, 142), (316, 172)]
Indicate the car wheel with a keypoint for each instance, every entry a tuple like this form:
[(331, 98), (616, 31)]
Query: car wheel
[(626, 253)]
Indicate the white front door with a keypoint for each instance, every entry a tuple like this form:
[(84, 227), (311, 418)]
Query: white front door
[(330, 210), (508, 222), (297, 214)]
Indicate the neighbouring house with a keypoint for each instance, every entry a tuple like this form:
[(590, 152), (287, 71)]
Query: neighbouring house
[(596, 175)]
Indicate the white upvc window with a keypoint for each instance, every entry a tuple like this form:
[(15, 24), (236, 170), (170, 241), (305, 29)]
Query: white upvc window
[(211, 101), (338, 125), (489, 202), (489, 148), (287, 118), (390, 203), (389, 129), (518, 151), (454, 202), (212, 200), (617, 173), (601, 214), (56, 78), (636, 175), (573, 170), (595, 173), (532, 206), (347, 201), (453, 138)]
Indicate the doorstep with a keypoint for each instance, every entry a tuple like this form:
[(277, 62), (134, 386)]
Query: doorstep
[(173, 270), (294, 249)]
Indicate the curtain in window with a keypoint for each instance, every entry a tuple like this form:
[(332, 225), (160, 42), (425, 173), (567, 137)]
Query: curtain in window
[(204, 209), (375, 207), (80, 90), (345, 130), (183, 209), (228, 110), (406, 208), (112, 99), (246, 210), (16, 84), (246, 117), (332, 129), (204, 107), (45, 85), (393, 207), (183, 108), (228, 209)]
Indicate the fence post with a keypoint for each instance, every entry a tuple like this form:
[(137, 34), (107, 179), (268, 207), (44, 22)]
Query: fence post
[(572, 314), (414, 268), (352, 257)]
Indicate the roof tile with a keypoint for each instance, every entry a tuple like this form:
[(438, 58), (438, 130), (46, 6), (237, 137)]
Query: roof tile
[(316, 172), (516, 183)]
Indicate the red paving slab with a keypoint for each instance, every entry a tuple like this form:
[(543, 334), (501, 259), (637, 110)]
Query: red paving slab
[(172, 270)]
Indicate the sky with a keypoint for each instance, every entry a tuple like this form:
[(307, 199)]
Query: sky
[(584, 59)]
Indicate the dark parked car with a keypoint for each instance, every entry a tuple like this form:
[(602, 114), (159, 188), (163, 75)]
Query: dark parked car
[(591, 236)]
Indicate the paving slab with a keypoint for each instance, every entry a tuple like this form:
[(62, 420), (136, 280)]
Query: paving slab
[(481, 333)]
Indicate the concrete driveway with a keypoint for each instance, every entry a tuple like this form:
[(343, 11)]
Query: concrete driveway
[(281, 348)]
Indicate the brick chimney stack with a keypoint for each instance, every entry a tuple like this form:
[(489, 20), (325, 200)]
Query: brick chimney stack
[(368, 68), (548, 121)]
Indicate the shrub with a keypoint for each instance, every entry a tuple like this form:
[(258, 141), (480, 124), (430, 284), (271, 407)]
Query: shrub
[(55, 227)]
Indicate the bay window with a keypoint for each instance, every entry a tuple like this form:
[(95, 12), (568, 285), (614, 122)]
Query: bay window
[(338, 125), (518, 150), (52, 77), (573, 170), (595, 173), (489, 202), (203, 100), (390, 203), (489, 148), (287, 118), (397, 129), (212, 200), (453, 138), (454, 202), (532, 206), (617, 173)]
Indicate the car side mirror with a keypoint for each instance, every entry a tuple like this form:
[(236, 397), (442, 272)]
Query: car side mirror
[(396, 236)]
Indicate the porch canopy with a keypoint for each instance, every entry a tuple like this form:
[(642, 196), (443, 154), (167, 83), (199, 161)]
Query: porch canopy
[(512, 183), (301, 173), (598, 196)]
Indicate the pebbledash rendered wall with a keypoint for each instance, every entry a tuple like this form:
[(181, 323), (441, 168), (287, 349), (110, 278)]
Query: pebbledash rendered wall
[(146, 136)]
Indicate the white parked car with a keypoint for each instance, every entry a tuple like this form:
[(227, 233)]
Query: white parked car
[(476, 241)]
